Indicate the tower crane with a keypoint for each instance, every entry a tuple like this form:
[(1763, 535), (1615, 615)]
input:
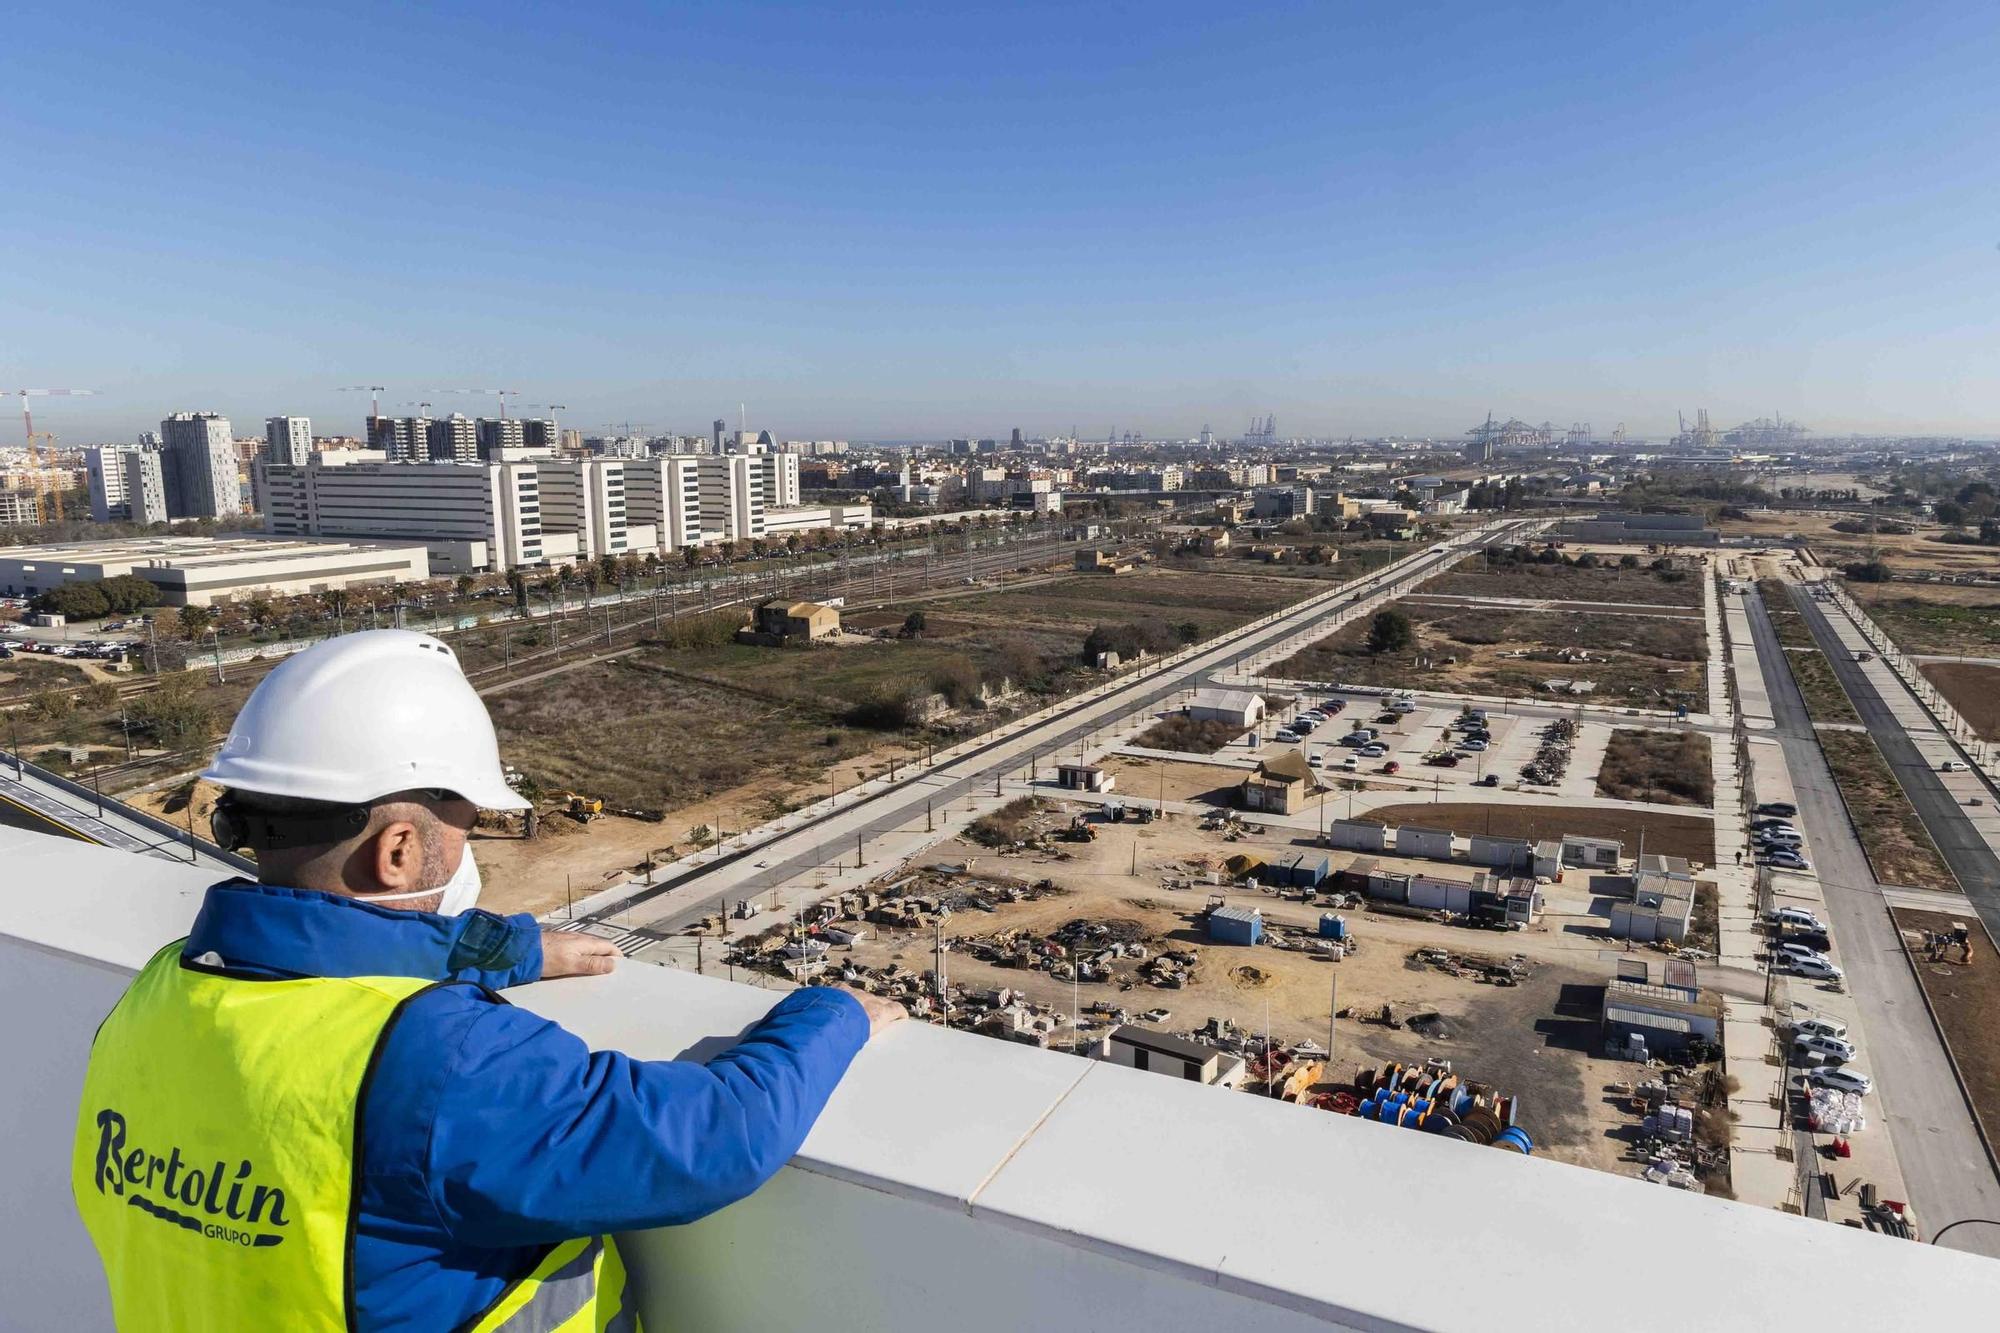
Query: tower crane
[(44, 496), (550, 408), (374, 392), (502, 394)]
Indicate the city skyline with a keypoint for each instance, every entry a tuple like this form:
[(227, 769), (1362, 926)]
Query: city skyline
[(914, 227)]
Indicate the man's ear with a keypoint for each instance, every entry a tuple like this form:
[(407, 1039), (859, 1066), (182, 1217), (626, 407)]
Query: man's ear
[(398, 857)]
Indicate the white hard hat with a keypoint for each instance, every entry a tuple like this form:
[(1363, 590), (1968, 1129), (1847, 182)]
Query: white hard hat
[(363, 715)]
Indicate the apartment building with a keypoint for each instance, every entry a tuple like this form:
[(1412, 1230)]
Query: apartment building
[(401, 439), (287, 439), (453, 439), (200, 466), (145, 484), (497, 435), (104, 471)]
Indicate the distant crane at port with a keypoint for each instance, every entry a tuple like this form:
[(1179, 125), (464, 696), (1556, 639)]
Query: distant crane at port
[(45, 495)]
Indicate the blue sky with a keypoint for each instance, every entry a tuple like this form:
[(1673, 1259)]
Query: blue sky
[(881, 221)]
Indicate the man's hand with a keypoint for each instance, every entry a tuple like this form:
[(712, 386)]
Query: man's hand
[(567, 953), (881, 1013)]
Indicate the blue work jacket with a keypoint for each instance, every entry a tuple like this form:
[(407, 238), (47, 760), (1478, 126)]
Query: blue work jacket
[(489, 1134)]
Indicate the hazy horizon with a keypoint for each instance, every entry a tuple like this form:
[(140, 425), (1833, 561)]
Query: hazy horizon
[(917, 226)]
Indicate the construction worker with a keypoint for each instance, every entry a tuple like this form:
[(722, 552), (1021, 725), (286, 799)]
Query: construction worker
[(314, 1113)]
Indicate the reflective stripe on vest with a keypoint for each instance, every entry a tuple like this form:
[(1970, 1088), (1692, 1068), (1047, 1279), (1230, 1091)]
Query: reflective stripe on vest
[(216, 1157)]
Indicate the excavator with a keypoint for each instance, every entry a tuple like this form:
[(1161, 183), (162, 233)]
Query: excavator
[(582, 809)]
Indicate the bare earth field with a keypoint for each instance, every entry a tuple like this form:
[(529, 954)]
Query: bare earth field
[(1690, 836), (1906, 553), (1964, 999), (1475, 578), (1934, 618), (1973, 689), (1651, 661)]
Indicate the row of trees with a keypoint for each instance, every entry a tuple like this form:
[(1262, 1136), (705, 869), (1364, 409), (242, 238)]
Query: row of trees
[(95, 598)]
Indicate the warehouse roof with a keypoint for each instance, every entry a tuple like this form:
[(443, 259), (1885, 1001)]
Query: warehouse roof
[(1236, 699)]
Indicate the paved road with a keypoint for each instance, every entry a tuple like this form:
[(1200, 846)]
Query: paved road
[(1964, 850), (1944, 1164), (785, 855)]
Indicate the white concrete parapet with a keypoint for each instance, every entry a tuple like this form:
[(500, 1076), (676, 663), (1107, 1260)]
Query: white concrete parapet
[(962, 1182)]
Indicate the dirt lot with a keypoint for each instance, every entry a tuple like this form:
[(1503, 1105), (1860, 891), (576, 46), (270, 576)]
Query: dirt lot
[(1963, 999), (1539, 1040), (1906, 553), (1475, 578), (1899, 848), (1934, 618), (1072, 606), (1650, 661), (1974, 690), (1661, 767), (1691, 836)]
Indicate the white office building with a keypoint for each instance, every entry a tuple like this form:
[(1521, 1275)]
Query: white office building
[(472, 518), (586, 497), (778, 474), (203, 571), (665, 493), (200, 466), (732, 497)]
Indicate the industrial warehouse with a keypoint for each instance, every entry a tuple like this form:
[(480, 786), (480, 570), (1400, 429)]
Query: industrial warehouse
[(204, 571)]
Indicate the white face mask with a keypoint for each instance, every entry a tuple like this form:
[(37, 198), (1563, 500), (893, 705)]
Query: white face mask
[(461, 891)]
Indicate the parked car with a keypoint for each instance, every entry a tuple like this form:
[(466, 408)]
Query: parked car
[(1374, 750), (1819, 969), (1771, 822), (1785, 861), (1353, 738), (1795, 916), (1833, 1050), (1473, 744), (1779, 837), (1392, 767), (1315, 761), (1490, 780), (1841, 1079), (1817, 1026), (1334, 705), (1816, 940), (1794, 949), (1350, 765), (1953, 766), (1783, 808)]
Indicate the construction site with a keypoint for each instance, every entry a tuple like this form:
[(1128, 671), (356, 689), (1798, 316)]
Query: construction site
[(1098, 927)]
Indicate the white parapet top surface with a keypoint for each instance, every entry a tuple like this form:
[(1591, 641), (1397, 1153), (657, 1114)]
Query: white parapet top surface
[(961, 1181)]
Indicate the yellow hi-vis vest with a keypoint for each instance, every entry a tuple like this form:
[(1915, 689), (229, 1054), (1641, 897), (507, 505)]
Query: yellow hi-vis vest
[(216, 1160)]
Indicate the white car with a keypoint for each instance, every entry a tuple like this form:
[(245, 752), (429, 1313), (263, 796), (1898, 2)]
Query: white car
[(1350, 765), (1793, 949), (1952, 766), (1841, 1079), (1820, 1027), (1315, 761), (1474, 745), (1374, 750), (1831, 1049), (1819, 969), (1785, 860)]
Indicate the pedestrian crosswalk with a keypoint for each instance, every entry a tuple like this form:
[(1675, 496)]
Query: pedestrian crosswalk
[(627, 942)]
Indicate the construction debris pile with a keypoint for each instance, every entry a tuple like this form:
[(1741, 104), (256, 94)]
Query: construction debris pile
[(1483, 968), (1114, 950), (1676, 1145), (1551, 761)]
